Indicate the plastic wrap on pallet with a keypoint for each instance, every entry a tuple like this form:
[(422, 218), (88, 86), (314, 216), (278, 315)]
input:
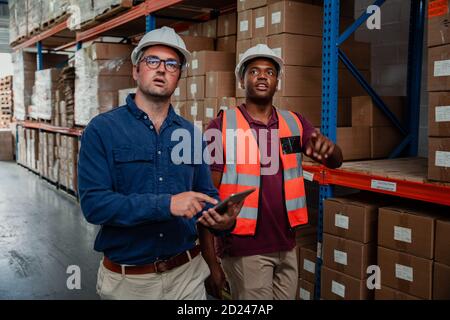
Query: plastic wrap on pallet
[(97, 83), (81, 11), (101, 6), (13, 27), (43, 99), (34, 14), (24, 66), (22, 17)]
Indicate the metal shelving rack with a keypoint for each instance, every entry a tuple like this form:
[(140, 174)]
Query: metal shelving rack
[(401, 187)]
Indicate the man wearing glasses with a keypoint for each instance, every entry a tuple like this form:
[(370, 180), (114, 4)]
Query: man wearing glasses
[(146, 203)]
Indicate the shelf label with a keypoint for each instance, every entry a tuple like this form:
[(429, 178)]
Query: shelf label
[(260, 22), (383, 185), (305, 295), (193, 88), (442, 159), (308, 175), (442, 68), (276, 17), (442, 114), (402, 234), (243, 26), (309, 266), (404, 272), (341, 221), (340, 257), (338, 289), (209, 112)]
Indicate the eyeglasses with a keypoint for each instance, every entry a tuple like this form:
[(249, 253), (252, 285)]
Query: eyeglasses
[(153, 62)]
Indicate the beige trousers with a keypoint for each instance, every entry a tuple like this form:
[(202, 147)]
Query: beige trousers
[(263, 277), (185, 282)]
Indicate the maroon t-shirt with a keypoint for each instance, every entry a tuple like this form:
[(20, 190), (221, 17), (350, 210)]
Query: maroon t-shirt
[(273, 232)]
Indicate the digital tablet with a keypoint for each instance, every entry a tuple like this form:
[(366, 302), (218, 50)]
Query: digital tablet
[(234, 198)]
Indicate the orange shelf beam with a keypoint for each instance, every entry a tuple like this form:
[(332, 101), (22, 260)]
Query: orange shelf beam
[(42, 36), (430, 192), (317, 172), (51, 128)]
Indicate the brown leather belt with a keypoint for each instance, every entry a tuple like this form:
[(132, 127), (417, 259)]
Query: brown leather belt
[(156, 267)]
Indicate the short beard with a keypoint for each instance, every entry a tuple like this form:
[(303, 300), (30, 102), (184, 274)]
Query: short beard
[(152, 95), (259, 100)]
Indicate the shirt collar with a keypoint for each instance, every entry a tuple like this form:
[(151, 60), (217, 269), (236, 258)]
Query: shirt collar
[(273, 118), (139, 114)]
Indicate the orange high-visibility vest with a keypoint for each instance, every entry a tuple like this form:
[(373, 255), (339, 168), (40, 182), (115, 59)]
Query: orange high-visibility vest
[(243, 175)]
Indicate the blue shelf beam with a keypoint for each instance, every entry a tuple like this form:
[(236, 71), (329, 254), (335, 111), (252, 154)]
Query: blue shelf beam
[(150, 23), (39, 57)]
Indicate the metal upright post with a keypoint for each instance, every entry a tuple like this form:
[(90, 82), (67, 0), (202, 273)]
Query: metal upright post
[(39, 57), (329, 107), (79, 45), (150, 23)]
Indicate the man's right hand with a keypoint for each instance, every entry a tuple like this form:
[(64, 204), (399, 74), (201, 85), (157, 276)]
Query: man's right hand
[(215, 282), (188, 204)]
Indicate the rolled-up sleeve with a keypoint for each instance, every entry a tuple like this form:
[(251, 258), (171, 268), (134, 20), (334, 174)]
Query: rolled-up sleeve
[(100, 204)]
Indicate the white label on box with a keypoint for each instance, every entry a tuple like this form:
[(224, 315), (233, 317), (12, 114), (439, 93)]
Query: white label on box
[(340, 257), (384, 185), (209, 112), (442, 159), (279, 85), (243, 26), (341, 221), (194, 64), (260, 22), (442, 114), (308, 175), (402, 234), (309, 266), (194, 110), (404, 272), (338, 289), (305, 295), (193, 88), (177, 92), (276, 17), (223, 108), (277, 51), (442, 68)]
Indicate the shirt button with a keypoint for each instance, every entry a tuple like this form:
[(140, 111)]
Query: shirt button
[(159, 151), (161, 179), (145, 117), (151, 127), (161, 235)]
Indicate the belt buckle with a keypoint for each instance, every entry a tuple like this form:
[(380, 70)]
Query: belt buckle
[(159, 270)]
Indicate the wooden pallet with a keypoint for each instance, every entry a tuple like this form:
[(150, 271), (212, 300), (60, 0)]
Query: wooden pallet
[(54, 21), (108, 13)]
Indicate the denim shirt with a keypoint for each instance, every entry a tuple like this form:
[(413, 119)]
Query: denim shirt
[(126, 178)]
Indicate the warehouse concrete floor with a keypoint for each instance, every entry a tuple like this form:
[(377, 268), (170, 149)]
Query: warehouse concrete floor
[(42, 233)]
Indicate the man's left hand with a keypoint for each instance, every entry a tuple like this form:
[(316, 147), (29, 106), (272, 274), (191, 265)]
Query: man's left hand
[(319, 147), (212, 219)]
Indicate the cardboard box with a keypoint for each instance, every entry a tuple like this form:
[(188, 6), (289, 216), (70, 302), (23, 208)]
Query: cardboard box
[(6, 145), (180, 108), (439, 68), (204, 61), (439, 114), (260, 22), (180, 93), (295, 17), (439, 159), (227, 25), (354, 142), (220, 84), (240, 101), (227, 44), (198, 43), (212, 106), (252, 4), (109, 51), (441, 282), (366, 113), (306, 236), (195, 87), (209, 28), (196, 30), (352, 217), (307, 262), (441, 249), (405, 272), (258, 40), (438, 17), (348, 256), (386, 293), (311, 109), (241, 47), (245, 25), (306, 290), (195, 110), (384, 140), (240, 93), (407, 229), (339, 286)]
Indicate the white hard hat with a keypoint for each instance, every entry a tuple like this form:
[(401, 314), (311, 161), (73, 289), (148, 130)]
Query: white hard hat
[(258, 51), (164, 36)]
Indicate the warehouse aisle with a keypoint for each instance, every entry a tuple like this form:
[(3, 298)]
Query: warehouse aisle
[(42, 232)]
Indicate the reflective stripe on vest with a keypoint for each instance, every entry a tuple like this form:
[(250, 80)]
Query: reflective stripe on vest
[(239, 176)]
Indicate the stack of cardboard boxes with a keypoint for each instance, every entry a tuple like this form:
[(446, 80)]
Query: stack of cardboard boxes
[(6, 145), (410, 237), (439, 91), (349, 247), (65, 98), (6, 101), (48, 163), (101, 70), (67, 147), (43, 100)]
